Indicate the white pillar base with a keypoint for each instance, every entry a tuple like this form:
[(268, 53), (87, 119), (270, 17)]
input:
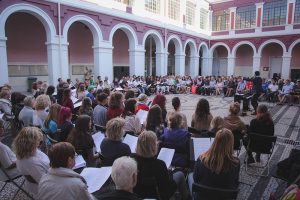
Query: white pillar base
[(65, 72), (207, 66), (179, 64), (230, 66), (54, 71), (286, 66), (160, 63), (103, 60), (3, 61), (137, 61)]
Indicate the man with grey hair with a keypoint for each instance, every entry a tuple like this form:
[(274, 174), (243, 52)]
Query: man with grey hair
[(26, 114), (124, 175)]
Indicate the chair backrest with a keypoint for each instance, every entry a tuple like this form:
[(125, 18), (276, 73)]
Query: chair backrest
[(206, 192), (199, 133), (237, 135), (261, 143), (100, 128), (151, 187)]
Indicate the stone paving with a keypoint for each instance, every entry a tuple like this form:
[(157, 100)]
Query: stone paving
[(287, 126)]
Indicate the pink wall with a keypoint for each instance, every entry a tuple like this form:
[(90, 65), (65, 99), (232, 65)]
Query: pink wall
[(271, 50), (171, 47), (26, 39), (295, 63), (121, 46), (221, 52), (244, 56), (80, 40)]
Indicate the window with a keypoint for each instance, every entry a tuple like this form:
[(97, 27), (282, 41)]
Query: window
[(220, 20), (190, 13), (174, 9), (152, 6), (203, 18), (297, 12), (245, 17), (274, 13)]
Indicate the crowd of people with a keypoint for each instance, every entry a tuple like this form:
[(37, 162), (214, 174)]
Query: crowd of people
[(51, 129)]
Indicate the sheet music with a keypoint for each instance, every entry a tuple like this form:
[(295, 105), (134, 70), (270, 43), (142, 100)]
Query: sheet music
[(142, 115), (201, 145), (79, 162), (74, 99), (131, 141), (166, 155), (95, 177), (1, 115), (98, 137), (119, 89), (78, 104)]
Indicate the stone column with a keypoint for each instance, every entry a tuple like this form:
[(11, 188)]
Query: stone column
[(137, 61), (207, 66), (103, 60), (194, 66), (259, 16), (179, 64), (286, 66), (256, 63), (3, 61), (64, 60), (160, 63), (54, 68), (230, 65)]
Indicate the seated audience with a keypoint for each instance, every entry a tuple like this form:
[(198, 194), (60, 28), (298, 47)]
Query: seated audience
[(100, 111), (115, 105), (61, 182), (51, 122), (132, 123), (42, 104), (7, 158), (217, 167), (272, 91), (142, 103), (129, 94), (124, 174), (64, 123), (66, 99), (112, 146), (5, 105), (233, 122), (31, 162), (86, 107), (178, 138), (50, 91), (153, 177), (154, 121), (201, 118), (26, 114), (216, 124), (160, 100), (176, 106), (285, 93), (296, 92), (263, 124), (80, 91), (82, 140), (90, 94)]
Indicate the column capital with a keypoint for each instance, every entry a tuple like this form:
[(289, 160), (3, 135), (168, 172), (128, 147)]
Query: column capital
[(259, 5), (232, 9), (291, 1)]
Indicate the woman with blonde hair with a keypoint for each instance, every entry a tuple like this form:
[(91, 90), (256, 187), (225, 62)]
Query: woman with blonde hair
[(42, 104), (31, 162), (151, 168), (51, 122), (216, 124), (217, 167)]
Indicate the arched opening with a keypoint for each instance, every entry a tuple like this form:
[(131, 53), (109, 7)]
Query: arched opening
[(150, 56), (271, 60), (120, 54), (171, 58), (220, 61), (81, 53), (295, 62), (203, 60), (244, 60), (26, 49)]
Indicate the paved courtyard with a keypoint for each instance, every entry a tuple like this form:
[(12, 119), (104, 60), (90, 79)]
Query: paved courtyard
[(287, 121)]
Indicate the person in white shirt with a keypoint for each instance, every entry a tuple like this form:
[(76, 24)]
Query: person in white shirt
[(31, 162), (272, 90), (285, 93), (42, 104), (61, 182), (26, 114)]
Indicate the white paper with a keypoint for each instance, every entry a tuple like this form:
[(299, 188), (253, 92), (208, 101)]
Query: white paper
[(131, 141), (74, 99), (142, 115), (79, 162), (119, 89), (1, 115), (98, 137), (201, 145), (95, 177), (78, 104), (166, 155)]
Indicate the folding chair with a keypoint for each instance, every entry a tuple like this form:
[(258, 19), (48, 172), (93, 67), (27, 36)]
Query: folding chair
[(200, 133), (260, 144), (238, 142), (211, 193), (100, 128), (12, 180)]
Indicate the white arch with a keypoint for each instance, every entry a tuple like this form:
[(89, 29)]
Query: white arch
[(89, 22), (132, 37), (192, 47), (235, 48), (292, 46), (203, 44), (157, 38), (269, 42), (33, 10), (177, 42), (219, 44)]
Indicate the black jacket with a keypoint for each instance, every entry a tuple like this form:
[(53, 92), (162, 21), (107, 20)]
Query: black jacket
[(118, 195)]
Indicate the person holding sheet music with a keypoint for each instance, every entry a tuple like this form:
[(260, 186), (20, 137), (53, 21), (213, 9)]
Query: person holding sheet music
[(160, 100), (86, 107), (153, 178), (142, 103), (154, 121), (80, 91), (26, 114), (178, 138), (61, 182), (132, 123), (217, 167), (31, 162), (201, 118), (176, 105), (115, 105), (66, 99), (51, 122), (42, 104), (83, 142), (124, 174), (100, 111), (64, 123), (112, 146)]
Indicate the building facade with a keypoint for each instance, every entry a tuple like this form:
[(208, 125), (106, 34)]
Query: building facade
[(49, 39)]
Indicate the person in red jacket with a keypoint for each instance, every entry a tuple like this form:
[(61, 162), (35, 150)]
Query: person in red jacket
[(142, 104), (66, 99), (115, 105)]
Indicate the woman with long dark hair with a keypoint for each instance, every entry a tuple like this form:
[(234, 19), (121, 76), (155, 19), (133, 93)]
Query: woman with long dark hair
[(82, 140), (201, 118), (154, 121), (132, 123), (66, 99), (160, 100), (115, 105), (64, 123)]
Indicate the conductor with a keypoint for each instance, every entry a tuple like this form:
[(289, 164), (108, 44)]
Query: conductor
[(256, 90)]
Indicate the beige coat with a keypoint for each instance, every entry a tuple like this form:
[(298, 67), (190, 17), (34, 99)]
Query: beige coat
[(63, 184)]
